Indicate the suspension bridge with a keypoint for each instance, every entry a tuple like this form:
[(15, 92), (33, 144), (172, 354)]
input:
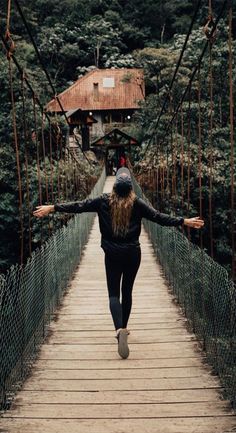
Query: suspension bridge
[(60, 369), (79, 382)]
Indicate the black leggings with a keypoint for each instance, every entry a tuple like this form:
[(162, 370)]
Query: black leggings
[(126, 267)]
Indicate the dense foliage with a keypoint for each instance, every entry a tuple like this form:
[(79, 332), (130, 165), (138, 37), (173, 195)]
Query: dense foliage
[(174, 160), (77, 35)]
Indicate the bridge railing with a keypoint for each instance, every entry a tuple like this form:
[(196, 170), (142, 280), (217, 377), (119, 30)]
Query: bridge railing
[(29, 296), (208, 297)]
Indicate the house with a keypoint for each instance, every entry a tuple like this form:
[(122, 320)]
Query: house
[(115, 145), (110, 96)]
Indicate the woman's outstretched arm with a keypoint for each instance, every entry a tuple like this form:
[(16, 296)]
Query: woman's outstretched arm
[(163, 219), (88, 205)]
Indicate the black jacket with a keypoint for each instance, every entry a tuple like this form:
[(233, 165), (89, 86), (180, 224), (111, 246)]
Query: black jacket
[(110, 242)]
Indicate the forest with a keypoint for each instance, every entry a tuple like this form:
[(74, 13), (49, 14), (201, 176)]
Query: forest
[(76, 36)]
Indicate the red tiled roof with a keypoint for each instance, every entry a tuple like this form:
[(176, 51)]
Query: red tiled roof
[(103, 89)]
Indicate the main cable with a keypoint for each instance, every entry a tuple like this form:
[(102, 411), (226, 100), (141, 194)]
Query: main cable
[(195, 69), (22, 73), (46, 72), (175, 73)]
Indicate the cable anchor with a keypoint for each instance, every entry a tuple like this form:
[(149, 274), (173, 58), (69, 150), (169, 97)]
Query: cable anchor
[(10, 44), (210, 30)]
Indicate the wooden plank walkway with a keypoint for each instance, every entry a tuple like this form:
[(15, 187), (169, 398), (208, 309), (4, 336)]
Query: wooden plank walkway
[(80, 385)]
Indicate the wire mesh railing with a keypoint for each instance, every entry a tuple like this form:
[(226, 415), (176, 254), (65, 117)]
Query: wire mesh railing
[(30, 294), (208, 297)]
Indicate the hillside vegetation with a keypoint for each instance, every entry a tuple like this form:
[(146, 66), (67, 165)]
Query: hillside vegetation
[(77, 35)]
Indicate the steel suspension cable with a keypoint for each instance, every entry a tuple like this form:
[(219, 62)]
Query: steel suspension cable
[(211, 150), (17, 153), (157, 175), (73, 182), (175, 147), (189, 155), (8, 16), (210, 8), (45, 168), (175, 72), (172, 169), (51, 224), (44, 159), (54, 92), (35, 139), (51, 163), (21, 71), (26, 142), (170, 184), (8, 44), (18, 163), (232, 174), (212, 31), (200, 150), (200, 187), (58, 167), (162, 176), (65, 176), (182, 157), (9, 50)]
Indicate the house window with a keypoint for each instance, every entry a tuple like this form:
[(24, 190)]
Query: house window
[(95, 92), (108, 82)]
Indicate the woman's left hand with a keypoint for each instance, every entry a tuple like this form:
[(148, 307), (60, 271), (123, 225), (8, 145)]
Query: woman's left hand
[(195, 223)]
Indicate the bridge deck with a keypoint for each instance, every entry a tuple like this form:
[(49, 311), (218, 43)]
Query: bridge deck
[(79, 383)]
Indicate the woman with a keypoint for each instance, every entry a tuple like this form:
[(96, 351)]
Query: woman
[(120, 214)]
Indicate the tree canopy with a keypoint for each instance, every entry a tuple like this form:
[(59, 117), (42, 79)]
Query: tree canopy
[(77, 35)]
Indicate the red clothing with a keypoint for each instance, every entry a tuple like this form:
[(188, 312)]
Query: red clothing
[(122, 161)]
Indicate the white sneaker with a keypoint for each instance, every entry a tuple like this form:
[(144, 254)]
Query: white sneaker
[(123, 348)]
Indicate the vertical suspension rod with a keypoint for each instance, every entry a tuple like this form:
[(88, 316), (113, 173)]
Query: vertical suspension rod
[(232, 174), (200, 151), (211, 151)]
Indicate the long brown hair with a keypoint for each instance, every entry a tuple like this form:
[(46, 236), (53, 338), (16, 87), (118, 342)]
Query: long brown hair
[(121, 208)]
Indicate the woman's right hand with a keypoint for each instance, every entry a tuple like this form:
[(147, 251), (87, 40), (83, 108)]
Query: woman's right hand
[(42, 211)]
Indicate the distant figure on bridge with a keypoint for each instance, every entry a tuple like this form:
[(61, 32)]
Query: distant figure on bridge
[(110, 163), (120, 214), (122, 161)]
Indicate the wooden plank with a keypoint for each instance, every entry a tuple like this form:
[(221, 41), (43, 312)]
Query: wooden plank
[(67, 318), (141, 373), (221, 424), (99, 364), (82, 295), (96, 316), (73, 338), (46, 353), (138, 335), (103, 305), (93, 328), (142, 348), (103, 411), (121, 384), (149, 396)]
